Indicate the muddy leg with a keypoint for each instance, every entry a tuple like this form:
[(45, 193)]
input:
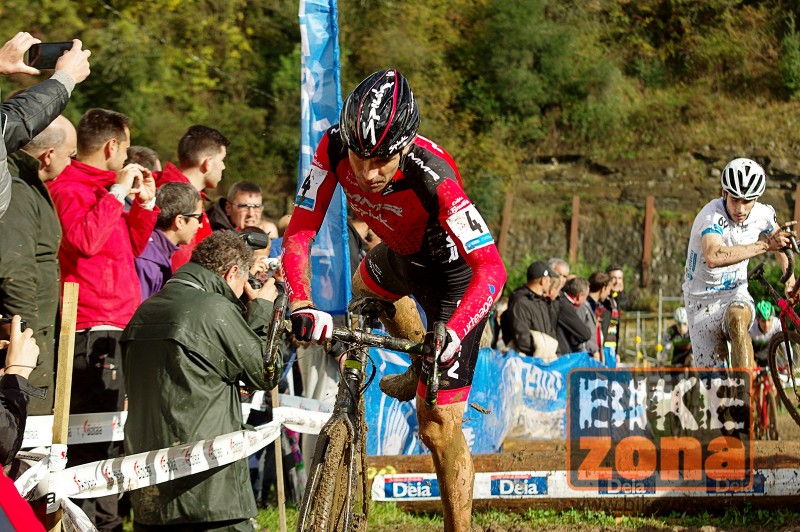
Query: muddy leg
[(406, 324), (440, 430), (737, 319)]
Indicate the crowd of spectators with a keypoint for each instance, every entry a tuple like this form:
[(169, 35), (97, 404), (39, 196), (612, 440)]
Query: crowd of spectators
[(555, 313), (169, 319), (79, 204)]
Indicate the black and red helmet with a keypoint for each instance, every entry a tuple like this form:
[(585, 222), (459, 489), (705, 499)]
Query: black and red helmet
[(380, 117)]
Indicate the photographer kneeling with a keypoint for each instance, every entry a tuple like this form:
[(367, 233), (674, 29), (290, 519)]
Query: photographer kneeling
[(184, 353)]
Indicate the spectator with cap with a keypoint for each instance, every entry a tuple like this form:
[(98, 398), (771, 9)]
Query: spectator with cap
[(677, 343), (531, 311)]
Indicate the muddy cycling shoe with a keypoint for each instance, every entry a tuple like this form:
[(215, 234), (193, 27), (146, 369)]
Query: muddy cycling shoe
[(403, 386)]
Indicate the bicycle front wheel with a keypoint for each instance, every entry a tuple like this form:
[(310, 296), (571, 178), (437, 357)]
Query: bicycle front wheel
[(787, 383), (336, 498)]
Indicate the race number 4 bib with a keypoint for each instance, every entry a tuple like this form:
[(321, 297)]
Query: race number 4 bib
[(307, 195), (469, 228)]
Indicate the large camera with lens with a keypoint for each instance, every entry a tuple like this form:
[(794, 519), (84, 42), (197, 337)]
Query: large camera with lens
[(258, 241)]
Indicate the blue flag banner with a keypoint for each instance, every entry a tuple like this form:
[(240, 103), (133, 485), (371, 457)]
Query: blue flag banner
[(321, 101), (524, 398)]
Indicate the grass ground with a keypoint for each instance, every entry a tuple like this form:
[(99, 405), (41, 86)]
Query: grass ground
[(386, 517)]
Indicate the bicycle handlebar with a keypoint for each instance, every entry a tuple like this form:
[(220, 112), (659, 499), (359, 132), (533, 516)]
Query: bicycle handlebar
[(376, 340)]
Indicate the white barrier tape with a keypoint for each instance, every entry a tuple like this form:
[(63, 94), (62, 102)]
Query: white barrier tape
[(127, 473), (38, 461), (301, 420), (554, 485), (58, 457), (302, 403), (73, 519), (110, 426), (83, 428)]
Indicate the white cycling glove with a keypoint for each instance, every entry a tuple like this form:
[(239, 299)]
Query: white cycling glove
[(452, 345), (310, 324)]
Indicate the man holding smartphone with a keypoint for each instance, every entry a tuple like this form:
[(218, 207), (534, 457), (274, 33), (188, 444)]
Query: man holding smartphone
[(27, 114)]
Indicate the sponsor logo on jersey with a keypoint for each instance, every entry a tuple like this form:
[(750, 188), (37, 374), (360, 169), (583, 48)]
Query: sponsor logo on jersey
[(425, 168), (365, 208), (457, 205)]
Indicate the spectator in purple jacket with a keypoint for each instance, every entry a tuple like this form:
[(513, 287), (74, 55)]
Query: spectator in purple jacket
[(180, 218)]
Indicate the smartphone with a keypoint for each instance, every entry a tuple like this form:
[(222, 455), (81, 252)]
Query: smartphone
[(5, 328), (44, 56)]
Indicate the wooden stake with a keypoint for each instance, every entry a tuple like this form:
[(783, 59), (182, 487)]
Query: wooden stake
[(66, 350), (279, 466), (573, 231), (647, 256)]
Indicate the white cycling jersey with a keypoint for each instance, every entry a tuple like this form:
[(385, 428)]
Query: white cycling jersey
[(725, 282)]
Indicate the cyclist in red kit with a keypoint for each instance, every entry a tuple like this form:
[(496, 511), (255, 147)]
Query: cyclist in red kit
[(435, 246)]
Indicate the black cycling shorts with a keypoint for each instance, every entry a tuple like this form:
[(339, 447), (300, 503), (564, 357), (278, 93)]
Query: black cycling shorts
[(438, 288)]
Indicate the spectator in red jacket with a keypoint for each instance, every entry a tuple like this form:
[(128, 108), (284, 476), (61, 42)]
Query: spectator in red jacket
[(201, 160), (100, 241)]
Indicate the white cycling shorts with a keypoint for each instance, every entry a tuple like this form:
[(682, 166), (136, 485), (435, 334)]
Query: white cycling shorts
[(707, 330)]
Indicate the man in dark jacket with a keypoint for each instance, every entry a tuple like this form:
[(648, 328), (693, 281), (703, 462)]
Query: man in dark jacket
[(572, 331), (27, 114), (241, 208), (29, 274), (530, 309), (184, 353)]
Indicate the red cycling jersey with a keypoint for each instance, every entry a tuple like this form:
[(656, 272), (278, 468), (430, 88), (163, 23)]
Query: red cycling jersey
[(422, 214)]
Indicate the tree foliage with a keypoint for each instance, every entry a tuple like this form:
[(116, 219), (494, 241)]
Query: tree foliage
[(499, 82)]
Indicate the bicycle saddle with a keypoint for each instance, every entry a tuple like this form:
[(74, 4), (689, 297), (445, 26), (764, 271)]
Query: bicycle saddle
[(369, 306)]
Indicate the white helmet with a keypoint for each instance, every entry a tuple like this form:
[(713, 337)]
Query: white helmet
[(743, 178), (680, 316)]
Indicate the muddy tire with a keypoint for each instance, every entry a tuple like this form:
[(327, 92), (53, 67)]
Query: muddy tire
[(778, 366), (318, 496), (328, 505)]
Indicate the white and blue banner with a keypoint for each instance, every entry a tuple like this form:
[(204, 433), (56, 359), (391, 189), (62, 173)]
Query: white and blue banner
[(524, 397), (321, 101)]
